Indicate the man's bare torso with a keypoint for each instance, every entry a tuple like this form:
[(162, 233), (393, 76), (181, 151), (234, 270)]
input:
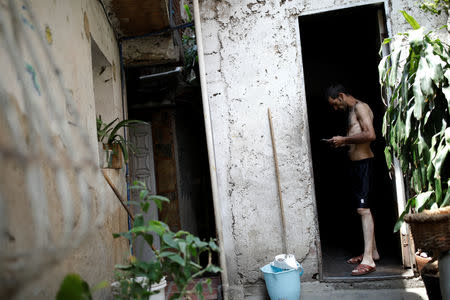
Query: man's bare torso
[(358, 151)]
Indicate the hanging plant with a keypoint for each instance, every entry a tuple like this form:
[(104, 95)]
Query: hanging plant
[(416, 77)]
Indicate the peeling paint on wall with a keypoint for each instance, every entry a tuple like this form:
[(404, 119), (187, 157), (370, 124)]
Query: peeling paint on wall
[(25, 19), (32, 73), (48, 35)]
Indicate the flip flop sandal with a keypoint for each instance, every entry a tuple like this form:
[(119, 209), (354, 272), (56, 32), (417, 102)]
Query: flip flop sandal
[(362, 269), (357, 260)]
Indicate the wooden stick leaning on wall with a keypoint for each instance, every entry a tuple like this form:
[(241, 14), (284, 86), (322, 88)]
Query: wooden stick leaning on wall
[(116, 191), (275, 157)]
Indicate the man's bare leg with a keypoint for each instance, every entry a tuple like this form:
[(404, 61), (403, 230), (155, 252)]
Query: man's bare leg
[(375, 254), (369, 239)]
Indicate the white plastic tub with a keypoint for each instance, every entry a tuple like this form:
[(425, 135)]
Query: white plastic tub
[(160, 287), (157, 287)]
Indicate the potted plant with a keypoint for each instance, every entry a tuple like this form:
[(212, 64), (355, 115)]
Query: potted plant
[(114, 145), (178, 257), (416, 76)]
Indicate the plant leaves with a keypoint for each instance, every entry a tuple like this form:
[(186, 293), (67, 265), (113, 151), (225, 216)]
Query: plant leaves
[(143, 194), (123, 267), (419, 99), (168, 238), (160, 198), (177, 259), (73, 287), (410, 20), (138, 220), (213, 269), (421, 200), (446, 200), (400, 221), (213, 246)]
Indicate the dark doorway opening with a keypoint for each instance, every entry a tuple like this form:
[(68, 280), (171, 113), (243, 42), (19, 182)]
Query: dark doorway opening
[(179, 163), (342, 46)]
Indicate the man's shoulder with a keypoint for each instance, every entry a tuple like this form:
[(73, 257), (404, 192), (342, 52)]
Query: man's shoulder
[(360, 105)]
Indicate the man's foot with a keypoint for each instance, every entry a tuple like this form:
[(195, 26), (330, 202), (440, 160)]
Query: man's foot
[(363, 269), (358, 259), (355, 260)]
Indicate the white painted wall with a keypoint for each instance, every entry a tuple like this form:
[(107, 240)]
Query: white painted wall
[(253, 62)]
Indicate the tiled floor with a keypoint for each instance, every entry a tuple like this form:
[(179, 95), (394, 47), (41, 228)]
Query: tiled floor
[(171, 288)]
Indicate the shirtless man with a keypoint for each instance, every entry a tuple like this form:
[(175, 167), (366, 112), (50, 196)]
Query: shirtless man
[(360, 133)]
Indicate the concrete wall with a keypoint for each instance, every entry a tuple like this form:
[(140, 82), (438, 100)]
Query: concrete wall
[(253, 62), (142, 51), (72, 26)]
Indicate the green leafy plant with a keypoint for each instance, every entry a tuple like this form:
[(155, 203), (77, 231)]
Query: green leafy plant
[(435, 6), (178, 256), (73, 287), (416, 76), (189, 45), (108, 134)]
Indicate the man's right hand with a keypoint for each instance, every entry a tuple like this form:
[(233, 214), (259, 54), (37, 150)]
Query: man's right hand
[(337, 141)]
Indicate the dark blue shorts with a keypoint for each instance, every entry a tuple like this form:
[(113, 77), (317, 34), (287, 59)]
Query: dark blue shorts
[(361, 181)]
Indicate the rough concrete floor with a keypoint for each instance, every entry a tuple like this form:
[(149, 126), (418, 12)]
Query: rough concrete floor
[(371, 294), (396, 289), (384, 294)]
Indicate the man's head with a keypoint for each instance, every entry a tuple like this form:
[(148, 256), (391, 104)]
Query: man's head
[(336, 95)]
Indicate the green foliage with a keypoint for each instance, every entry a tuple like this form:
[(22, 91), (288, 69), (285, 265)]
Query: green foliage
[(108, 134), (178, 256), (73, 287), (189, 45), (410, 20), (188, 12), (416, 76), (435, 6)]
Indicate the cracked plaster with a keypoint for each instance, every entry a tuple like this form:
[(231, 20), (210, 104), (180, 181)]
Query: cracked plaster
[(253, 62)]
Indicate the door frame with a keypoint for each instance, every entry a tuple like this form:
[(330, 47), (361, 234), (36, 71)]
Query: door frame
[(407, 247), (406, 242)]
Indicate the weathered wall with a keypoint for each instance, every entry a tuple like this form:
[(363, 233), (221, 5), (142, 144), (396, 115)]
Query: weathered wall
[(142, 51), (72, 27), (253, 62)]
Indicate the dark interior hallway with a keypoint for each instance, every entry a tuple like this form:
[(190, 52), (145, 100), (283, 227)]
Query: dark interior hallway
[(342, 46)]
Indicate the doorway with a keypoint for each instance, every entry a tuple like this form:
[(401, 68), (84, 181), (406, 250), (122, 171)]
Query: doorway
[(171, 154), (342, 46)]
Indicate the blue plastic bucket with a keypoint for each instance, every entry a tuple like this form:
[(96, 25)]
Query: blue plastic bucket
[(282, 284)]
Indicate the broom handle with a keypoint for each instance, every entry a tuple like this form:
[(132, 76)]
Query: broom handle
[(111, 184), (275, 157)]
